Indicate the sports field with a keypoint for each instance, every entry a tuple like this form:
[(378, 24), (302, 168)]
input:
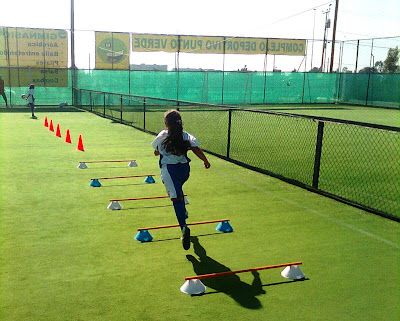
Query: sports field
[(65, 256), (370, 115)]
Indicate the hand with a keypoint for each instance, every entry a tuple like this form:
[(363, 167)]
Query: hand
[(156, 153), (207, 165)]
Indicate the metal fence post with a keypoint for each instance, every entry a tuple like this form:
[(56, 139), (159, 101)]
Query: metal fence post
[(318, 151), (369, 73), (90, 101), (228, 145), (104, 105), (121, 110), (144, 113), (223, 72)]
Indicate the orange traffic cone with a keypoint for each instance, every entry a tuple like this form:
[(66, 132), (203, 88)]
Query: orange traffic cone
[(46, 124), (68, 137), (51, 128), (58, 132), (80, 144)]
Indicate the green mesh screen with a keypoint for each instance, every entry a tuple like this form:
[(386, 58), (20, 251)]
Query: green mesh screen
[(116, 81), (249, 87), (370, 89), (154, 84), (212, 87), (384, 90), (191, 85), (354, 88), (212, 91), (320, 88), (52, 86)]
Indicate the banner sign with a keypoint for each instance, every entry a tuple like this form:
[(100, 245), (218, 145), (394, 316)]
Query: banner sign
[(23, 77), (289, 47), (144, 42), (217, 45), (112, 50), (246, 46), (198, 44), (35, 48)]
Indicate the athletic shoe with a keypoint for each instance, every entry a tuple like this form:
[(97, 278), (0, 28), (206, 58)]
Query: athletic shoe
[(186, 238)]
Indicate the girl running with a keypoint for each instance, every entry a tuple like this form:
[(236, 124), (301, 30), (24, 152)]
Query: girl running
[(172, 145)]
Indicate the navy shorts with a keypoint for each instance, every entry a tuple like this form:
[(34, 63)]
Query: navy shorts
[(173, 177)]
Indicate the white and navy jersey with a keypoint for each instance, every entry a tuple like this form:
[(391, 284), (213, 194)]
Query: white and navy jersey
[(30, 95), (167, 158)]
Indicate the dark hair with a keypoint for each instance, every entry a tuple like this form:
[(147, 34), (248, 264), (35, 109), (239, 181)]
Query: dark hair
[(174, 143), (31, 86)]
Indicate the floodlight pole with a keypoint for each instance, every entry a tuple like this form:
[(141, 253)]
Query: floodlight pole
[(313, 39), (326, 12), (73, 67), (72, 36), (334, 35)]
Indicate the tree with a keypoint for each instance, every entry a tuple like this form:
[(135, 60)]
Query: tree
[(346, 70), (368, 70), (315, 69), (391, 61), (379, 66)]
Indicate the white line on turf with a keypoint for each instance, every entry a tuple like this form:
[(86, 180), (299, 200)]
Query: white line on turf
[(352, 227)]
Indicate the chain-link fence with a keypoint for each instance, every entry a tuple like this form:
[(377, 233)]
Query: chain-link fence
[(353, 162)]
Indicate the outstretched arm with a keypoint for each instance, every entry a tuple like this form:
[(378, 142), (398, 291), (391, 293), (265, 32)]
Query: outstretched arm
[(199, 153)]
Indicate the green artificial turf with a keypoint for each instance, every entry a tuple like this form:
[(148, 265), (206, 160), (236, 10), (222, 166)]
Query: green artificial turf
[(364, 114), (65, 256)]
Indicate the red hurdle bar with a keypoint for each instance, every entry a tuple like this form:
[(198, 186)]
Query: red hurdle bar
[(122, 177), (177, 225), (140, 198), (111, 161), (212, 275)]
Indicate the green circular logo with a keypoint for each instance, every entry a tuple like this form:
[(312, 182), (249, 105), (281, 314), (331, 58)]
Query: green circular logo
[(62, 34), (112, 50)]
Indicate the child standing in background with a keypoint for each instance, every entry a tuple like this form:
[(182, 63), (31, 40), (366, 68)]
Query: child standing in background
[(172, 145), (31, 99)]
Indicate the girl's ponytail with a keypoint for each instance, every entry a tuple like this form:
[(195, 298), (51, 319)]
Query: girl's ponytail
[(174, 143)]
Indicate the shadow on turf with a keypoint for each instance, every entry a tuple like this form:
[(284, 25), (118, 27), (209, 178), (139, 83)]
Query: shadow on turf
[(178, 238), (125, 185), (311, 108), (285, 282), (243, 293), (142, 207), (101, 167)]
